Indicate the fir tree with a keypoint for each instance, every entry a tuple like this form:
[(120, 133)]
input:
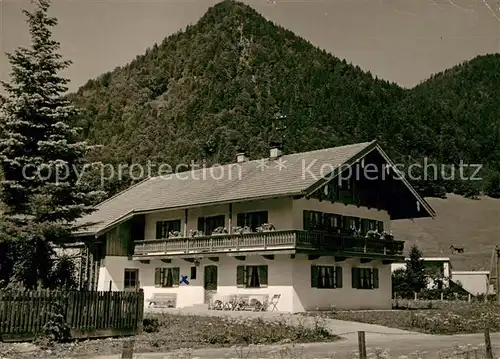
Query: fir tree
[(42, 158), (416, 277)]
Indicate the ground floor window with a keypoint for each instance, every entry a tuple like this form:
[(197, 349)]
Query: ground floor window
[(251, 276), (365, 278), (131, 278), (166, 277), (326, 277)]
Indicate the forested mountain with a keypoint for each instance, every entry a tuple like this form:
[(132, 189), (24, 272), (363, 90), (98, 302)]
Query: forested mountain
[(217, 86)]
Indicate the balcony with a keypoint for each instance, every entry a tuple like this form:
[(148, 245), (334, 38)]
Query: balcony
[(297, 240)]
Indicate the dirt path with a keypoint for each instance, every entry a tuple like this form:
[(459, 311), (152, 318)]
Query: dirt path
[(396, 345), (396, 342)]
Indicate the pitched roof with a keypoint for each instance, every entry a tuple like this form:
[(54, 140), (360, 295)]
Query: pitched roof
[(234, 182)]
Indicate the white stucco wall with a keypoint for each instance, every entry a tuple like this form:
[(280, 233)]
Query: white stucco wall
[(278, 214), (307, 298), (289, 277), (473, 282)]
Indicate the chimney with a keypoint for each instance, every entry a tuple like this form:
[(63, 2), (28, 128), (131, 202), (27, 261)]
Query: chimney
[(240, 155), (275, 150)]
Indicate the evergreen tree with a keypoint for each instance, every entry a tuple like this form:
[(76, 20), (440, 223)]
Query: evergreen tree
[(400, 286), (42, 158), (416, 277)]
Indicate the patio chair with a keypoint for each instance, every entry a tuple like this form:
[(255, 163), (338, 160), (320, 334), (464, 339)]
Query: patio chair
[(216, 304), (274, 302), (230, 302)]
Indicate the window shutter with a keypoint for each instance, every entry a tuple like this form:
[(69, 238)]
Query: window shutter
[(314, 276), (176, 225), (240, 276), (201, 224), (307, 222), (158, 230), (346, 222), (355, 278), (375, 277), (240, 220), (175, 276), (158, 277), (380, 226), (263, 275), (338, 277)]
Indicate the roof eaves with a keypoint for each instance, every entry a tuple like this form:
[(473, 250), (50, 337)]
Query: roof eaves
[(134, 212)]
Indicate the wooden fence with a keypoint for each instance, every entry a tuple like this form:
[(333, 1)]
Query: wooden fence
[(89, 314)]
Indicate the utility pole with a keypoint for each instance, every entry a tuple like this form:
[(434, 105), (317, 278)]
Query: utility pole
[(497, 274)]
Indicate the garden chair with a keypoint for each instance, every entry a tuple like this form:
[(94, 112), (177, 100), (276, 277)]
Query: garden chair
[(274, 302), (216, 304), (230, 302)]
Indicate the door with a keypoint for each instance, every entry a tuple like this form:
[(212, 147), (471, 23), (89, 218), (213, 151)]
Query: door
[(210, 282)]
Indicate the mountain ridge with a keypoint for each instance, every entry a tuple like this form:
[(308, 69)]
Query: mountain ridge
[(222, 83)]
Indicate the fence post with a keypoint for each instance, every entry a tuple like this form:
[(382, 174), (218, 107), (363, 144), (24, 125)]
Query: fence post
[(416, 296), (487, 343), (128, 349), (362, 345), (442, 296), (140, 310)]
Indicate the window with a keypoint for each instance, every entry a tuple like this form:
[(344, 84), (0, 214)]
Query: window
[(326, 277), (365, 278), (166, 277), (208, 224), (251, 276), (193, 273), (252, 219), (369, 225), (164, 227), (313, 221), (331, 221), (131, 278)]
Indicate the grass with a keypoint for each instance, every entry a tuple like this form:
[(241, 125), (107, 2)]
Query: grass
[(170, 332), (472, 224), (447, 318)]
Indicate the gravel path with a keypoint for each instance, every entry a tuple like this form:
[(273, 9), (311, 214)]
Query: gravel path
[(395, 341), (429, 346)]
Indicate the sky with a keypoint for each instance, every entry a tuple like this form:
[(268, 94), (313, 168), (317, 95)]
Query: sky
[(402, 41)]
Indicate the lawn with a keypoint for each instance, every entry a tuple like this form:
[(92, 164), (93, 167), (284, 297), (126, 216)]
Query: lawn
[(168, 332), (447, 318)]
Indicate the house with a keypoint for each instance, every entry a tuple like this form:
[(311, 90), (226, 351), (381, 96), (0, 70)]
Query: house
[(474, 282), (312, 227), (438, 269)]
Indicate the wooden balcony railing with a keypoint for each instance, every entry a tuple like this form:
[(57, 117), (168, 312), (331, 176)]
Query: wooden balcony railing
[(288, 239)]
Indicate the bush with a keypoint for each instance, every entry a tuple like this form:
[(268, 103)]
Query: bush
[(151, 325), (190, 330)]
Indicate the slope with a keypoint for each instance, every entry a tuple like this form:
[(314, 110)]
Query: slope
[(218, 85), (460, 222)]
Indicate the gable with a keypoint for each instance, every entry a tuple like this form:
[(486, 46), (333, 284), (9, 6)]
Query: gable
[(372, 180)]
